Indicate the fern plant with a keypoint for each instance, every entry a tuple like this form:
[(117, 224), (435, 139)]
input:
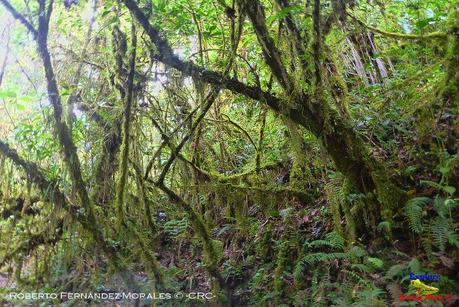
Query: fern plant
[(437, 230), (175, 228), (413, 211), (320, 255)]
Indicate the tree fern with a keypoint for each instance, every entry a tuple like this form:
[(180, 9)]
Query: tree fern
[(413, 211)]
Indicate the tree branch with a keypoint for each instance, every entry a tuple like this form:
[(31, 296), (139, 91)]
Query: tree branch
[(271, 53), (299, 43), (166, 55), (37, 177), (209, 101), (432, 35), (127, 125), (317, 46), (20, 18)]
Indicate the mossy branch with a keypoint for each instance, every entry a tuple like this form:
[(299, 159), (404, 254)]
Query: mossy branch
[(126, 126), (209, 100), (271, 53), (275, 190), (433, 35)]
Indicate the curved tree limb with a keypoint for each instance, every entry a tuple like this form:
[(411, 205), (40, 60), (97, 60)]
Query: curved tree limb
[(432, 35), (209, 101)]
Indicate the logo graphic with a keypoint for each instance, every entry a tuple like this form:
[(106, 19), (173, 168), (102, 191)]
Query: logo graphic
[(425, 292), (423, 289), (425, 277)]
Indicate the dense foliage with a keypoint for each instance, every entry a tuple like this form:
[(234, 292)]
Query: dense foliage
[(271, 152)]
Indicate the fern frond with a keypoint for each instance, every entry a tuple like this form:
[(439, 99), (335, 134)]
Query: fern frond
[(357, 252), (174, 228), (453, 238), (323, 257), (414, 265), (319, 243), (375, 262), (394, 291), (359, 279), (394, 271), (440, 232), (332, 240), (311, 259), (440, 187), (298, 272), (413, 211), (369, 298), (361, 267), (444, 206), (384, 226), (426, 243), (336, 240)]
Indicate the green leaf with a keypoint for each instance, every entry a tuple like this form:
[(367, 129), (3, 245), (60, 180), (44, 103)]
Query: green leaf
[(26, 99), (424, 23), (449, 189), (283, 13), (414, 265), (65, 92), (7, 94), (19, 107)]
